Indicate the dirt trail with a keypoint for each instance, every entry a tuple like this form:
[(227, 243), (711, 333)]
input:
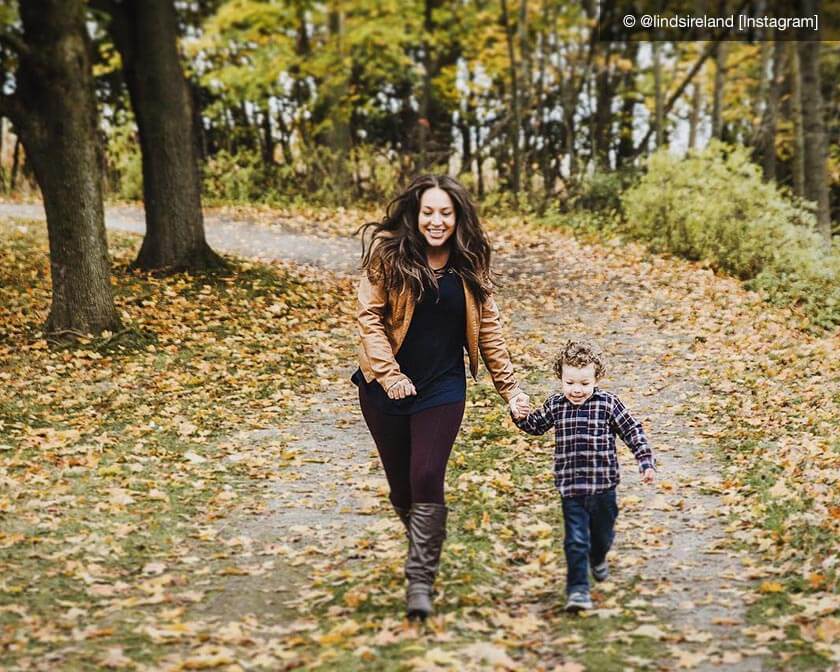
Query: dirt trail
[(244, 237), (669, 537)]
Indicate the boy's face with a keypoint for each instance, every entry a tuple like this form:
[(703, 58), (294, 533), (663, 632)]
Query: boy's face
[(578, 383)]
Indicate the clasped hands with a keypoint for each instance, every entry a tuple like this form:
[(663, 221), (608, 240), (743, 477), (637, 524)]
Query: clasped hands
[(519, 405)]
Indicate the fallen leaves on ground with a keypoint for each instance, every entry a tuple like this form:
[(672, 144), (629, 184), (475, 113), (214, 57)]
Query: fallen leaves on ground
[(129, 463)]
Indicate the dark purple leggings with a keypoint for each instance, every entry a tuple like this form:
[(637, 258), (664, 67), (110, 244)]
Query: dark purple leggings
[(414, 449)]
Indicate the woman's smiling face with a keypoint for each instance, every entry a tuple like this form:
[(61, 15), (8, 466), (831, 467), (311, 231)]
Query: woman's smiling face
[(437, 217)]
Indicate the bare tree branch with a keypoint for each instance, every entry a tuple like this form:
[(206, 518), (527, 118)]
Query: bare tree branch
[(708, 51)]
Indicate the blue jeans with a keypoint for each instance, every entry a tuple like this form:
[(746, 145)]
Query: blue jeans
[(589, 521)]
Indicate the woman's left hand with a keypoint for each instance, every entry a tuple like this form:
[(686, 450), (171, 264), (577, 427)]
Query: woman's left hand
[(401, 389), (520, 406)]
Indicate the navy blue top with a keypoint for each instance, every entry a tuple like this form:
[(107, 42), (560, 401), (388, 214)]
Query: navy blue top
[(432, 354)]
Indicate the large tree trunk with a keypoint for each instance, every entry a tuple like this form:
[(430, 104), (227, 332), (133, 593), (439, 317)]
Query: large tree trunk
[(816, 175), (55, 114), (144, 32)]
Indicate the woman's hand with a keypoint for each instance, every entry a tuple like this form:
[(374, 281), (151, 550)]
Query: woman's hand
[(520, 406), (649, 476), (402, 389)]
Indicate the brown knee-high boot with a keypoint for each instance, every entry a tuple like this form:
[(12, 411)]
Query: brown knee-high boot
[(426, 532)]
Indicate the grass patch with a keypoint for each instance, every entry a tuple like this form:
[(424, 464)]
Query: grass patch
[(116, 452)]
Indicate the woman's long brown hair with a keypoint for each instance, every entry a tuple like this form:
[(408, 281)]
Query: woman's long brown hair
[(394, 250)]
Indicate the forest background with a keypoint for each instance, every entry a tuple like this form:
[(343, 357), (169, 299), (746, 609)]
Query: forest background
[(339, 104)]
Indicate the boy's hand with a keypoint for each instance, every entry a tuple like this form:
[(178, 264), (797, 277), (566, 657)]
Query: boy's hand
[(649, 476), (520, 406)]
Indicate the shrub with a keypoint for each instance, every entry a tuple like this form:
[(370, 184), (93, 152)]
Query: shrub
[(124, 163), (241, 177), (714, 206), (319, 175), (601, 191)]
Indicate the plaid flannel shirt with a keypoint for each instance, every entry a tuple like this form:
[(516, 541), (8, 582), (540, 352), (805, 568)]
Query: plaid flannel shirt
[(585, 459)]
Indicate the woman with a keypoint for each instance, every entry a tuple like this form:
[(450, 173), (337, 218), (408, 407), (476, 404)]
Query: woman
[(424, 296)]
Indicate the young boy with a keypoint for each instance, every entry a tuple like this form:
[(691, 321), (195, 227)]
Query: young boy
[(586, 421)]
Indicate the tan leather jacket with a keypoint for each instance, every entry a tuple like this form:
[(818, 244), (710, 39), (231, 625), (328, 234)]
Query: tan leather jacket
[(383, 320)]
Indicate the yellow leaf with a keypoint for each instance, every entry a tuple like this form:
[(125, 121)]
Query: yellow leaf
[(339, 633), (829, 630)]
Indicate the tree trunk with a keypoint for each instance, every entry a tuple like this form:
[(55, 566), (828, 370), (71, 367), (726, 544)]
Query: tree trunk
[(144, 32), (479, 160), (268, 136), (659, 104), (604, 95), (466, 145), (694, 118), (285, 134), (197, 121), (516, 122), (340, 138), (717, 99), (57, 121), (2, 166), (624, 153), (471, 123), (15, 163), (426, 93), (771, 113), (798, 168), (526, 107), (816, 174), (544, 152)]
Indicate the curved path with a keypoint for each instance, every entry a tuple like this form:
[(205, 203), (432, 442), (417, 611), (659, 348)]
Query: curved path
[(244, 237)]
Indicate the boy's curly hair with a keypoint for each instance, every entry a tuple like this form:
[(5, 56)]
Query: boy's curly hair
[(580, 354)]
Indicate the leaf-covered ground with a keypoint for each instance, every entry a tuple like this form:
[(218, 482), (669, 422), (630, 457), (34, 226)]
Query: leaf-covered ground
[(199, 491)]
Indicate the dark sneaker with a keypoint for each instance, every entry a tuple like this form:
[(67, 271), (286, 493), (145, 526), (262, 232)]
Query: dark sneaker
[(578, 602), (601, 572)]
